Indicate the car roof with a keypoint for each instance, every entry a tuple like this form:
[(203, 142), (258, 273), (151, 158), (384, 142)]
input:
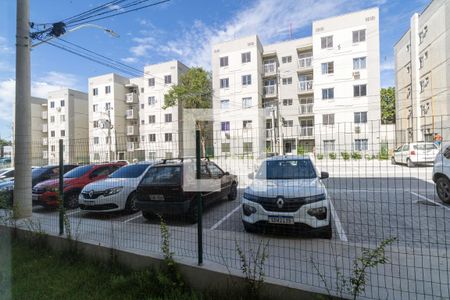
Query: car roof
[(287, 157)]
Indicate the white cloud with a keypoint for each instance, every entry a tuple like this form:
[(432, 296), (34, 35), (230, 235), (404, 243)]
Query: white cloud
[(129, 59), (387, 65), (115, 7)]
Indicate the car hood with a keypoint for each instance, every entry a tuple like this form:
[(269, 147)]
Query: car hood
[(288, 188), (108, 183)]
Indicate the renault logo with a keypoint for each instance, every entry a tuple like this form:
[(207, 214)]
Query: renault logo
[(280, 202), (91, 193)]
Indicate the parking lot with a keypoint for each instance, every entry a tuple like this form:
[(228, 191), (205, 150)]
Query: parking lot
[(371, 201)]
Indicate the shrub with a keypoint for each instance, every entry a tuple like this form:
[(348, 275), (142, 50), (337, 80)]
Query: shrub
[(300, 150), (319, 156), (356, 155), (332, 155), (384, 152), (345, 155), (369, 157)]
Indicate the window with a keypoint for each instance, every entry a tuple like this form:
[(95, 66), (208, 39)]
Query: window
[(95, 124), (167, 137), (288, 123), (151, 82), (52, 133), (287, 102), (52, 104), (62, 118), (168, 118), (142, 105), (63, 133), (247, 124), (53, 148), (168, 155), (225, 147), (328, 68), (215, 171), (152, 155), (360, 117), (95, 107), (96, 140), (152, 137), (359, 63), (328, 146), (359, 36), (224, 61), (167, 79), (142, 90), (107, 89), (361, 145), (95, 91), (360, 90), (246, 79), (151, 119), (52, 119), (328, 119), (225, 126), (62, 103), (287, 80), (107, 106), (328, 93), (142, 122), (225, 104), (151, 100), (246, 57), (286, 59), (247, 147), (247, 102), (224, 83), (327, 42)]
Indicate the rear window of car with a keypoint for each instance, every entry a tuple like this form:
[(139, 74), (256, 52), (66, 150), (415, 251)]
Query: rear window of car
[(78, 172), (428, 146), (162, 175), (130, 171)]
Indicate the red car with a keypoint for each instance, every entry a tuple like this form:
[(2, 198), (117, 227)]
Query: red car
[(46, 193)]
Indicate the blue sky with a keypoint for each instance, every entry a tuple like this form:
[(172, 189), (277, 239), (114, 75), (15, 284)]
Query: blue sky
[(179, 29)]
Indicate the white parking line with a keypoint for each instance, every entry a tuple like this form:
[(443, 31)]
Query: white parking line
[(133, 218), (429, 200), (73, 212), (226, 217), (337, 222)]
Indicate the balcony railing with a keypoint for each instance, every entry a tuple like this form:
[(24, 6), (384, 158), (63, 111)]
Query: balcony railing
[(131, 98), (306, 109), (131, 146), (305, 62), (130, 114), (306, 131), (270, 90), (44, 115), (305, 86), (44, 128), (131, 130), (270, 68)]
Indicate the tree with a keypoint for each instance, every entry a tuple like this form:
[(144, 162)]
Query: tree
[(194, 90), (387, 105)]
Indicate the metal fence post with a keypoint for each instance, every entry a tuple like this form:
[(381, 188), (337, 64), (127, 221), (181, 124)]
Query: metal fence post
[(61, 187), (199, 199)]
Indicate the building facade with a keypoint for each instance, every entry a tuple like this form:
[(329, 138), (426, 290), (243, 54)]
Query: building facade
[(316, 93), (422, 68), (67, 119)]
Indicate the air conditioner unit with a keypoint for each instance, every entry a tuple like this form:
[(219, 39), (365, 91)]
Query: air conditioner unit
[(356, 75), (357, 129)]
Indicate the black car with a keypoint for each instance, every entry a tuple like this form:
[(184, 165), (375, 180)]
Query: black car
[(161, 189), (38, 175)]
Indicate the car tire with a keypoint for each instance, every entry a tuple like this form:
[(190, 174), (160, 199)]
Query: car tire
[(443, 189), (250, 228), (233, 192), (130, 206), (409, 163), (393, 162), (71, 200), (149, 216)]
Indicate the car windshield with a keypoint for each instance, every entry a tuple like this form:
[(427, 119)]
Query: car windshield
[(78, 172), (131, 171), (37, 172), (427, 146), (163, 175), (287, 169)]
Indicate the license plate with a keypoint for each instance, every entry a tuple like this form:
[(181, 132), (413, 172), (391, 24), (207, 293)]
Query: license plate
[(281, 220), (157, 197)]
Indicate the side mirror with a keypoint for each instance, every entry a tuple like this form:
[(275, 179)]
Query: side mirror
[(226, 173), (324, 175), (251, 176)]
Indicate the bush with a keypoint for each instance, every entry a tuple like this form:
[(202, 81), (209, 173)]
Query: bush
[(332, 155), (384, 152), (356, 155), (369, 157), (300, 150), (345, 155), (319, 156)]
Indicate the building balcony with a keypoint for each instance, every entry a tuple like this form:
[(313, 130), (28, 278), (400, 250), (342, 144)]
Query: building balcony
[(306, 132), (132, 130), (44, 128), (270, 69), (131, 98), (131, 146), (44, 115), (306, 109), (270, 91), (131, 114), (305, 63), (45, 141), (305, 87), (44, 154)]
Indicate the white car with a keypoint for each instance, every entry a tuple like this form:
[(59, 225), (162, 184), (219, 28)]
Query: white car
[(414, 154), (6, 174), (441, 173), (115, 193), (287, 193)]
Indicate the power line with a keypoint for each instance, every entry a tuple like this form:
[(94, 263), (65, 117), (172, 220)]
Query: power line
[(93, 10)]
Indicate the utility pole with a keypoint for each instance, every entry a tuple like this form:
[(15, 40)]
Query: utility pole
[(22, 159)]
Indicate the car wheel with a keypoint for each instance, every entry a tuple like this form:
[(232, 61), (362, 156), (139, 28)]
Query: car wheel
[(130, 206), (409, 163), (71, 200), (393, 162), (149, 216), (251, 228), (233, 192), (443, 189)]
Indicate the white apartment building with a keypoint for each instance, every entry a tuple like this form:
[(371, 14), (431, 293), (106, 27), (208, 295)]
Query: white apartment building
[(422, 71), (67, 119), (317, 92), (160, 129)]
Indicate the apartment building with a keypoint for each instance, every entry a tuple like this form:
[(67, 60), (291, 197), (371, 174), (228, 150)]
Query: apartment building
[(319, 92), (160, 128), (67, 119), (422, 71)]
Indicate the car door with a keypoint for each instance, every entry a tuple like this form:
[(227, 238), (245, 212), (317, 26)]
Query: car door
[(404, 153), (398, 154), (218, 174), (208, 196)]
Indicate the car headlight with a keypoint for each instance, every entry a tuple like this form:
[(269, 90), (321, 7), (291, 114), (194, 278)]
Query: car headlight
[(315, 198), (112, 191), (251, 197)]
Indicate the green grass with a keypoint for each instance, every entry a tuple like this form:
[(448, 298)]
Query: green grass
[(40, 273)]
